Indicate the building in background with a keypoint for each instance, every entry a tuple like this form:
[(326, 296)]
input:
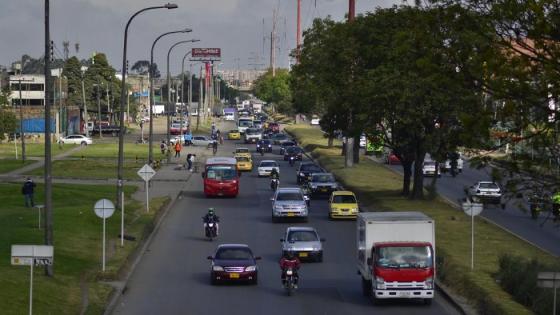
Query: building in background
[(32, 89)]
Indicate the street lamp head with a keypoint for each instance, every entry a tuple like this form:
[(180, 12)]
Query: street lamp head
[(195, 40), (171, 6), (186, 30)]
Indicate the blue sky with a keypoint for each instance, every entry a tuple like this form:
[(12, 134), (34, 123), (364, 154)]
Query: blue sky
[(236, 26)]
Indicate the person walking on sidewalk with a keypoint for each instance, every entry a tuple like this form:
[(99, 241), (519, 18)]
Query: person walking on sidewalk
[(27, 190), (178, 149), (162, 146), (189, 162), (191, 159)]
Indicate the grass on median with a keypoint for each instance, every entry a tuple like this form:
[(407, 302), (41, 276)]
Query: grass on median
[(111, 151), (380, 188), (8, 150), (92, 169), (77, 248), (7, 165)]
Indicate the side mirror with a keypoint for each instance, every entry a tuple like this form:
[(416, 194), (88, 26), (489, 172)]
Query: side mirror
[(258, 258), (209, 258), (282, 240), (323, 240), (272, 199)]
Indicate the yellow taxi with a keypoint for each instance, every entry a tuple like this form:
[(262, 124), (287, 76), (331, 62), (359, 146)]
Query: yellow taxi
[(242, 152), (343, 205), (234, 135), (244, 163)]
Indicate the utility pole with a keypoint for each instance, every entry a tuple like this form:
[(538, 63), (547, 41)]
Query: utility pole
[(85, 105), (200, 98), (349, 152), (190, 94), (99, 110), (298, 35), (49, 238), (351, 10)]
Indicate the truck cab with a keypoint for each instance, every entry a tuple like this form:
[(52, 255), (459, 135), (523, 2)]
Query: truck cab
[(396, 255)]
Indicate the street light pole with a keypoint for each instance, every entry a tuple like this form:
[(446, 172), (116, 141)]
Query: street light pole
[(49, 238), (167, 110), (120, 195), (151, 101), (183, 91)]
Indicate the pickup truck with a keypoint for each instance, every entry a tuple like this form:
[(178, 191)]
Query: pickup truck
[(252, 135)]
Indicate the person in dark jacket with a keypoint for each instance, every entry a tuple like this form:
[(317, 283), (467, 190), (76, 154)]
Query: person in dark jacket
[(27, 190)]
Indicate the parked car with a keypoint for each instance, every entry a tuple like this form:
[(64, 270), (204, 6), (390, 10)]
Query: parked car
[(343, 205), (279, 138), (315, 120), (289, 202), (305, 170), (392, 159), (285, 145), (322, 183), (303, 242), (296, 152), (76, 139), (485, 192), (266, 144), (266, 166), (202, 141), (233, 262)]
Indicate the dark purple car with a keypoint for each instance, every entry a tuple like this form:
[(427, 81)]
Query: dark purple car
[(233, 262)]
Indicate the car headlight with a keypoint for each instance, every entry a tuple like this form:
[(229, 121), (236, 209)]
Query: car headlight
[(251, 268), (429, 282), (301, 174), (277, 207), (354, 209), (217, 268), (379, 283), (316, 248)]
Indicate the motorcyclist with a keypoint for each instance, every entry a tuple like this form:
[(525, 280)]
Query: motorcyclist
[(556, 205), (289, 260), (214, 147), (274, 174), (274, 177), (211, 217)]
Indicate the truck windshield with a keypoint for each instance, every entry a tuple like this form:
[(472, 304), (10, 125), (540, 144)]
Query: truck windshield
[(221, 172), (245, 123), (402, 257)]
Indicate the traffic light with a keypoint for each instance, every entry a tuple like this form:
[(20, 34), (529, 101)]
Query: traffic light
[(52, 50)]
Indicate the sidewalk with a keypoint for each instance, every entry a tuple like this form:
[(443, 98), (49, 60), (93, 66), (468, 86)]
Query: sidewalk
[(40, 163)]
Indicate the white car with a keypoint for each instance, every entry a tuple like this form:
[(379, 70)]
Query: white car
[(266, 166), (76, 139), (201, 140), (486, 192), (429, 168), (315, 120)]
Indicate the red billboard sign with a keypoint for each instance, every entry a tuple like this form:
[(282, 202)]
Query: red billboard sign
[(206, 53)]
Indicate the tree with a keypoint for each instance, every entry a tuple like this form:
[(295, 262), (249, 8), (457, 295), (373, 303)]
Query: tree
[(4, 93), (73, 72), (142, 67), (275, 90), (8, 123)]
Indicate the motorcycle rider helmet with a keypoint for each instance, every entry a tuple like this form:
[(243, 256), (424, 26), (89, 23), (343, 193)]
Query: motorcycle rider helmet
[(210, 211)]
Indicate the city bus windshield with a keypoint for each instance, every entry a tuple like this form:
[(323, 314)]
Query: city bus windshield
[(221, 172)]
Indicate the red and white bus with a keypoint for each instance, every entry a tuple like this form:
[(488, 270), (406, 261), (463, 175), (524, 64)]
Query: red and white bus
[(221, 177)]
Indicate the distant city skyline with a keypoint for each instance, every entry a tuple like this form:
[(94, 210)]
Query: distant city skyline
[(235, 26)]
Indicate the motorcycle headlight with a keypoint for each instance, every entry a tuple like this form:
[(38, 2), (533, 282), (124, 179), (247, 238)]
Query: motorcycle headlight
[(251, 268), (217, 268), (301, 174), (429, 283)]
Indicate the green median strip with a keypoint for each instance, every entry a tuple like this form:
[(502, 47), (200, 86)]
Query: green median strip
[(11, 165), (8, 150), (92, 169), (379, 188), (77, 248)]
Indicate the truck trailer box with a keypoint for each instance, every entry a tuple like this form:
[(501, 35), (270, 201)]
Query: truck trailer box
[(396, 254)]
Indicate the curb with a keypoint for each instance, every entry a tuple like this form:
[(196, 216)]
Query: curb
[(138, 253)]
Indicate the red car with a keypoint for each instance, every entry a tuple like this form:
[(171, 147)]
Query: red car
[(234, 262), (392, 159)]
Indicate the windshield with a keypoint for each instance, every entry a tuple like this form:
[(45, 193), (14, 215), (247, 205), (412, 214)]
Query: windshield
[(302, 236), (242, 151), (293, 150), (268, 164), (234, 131), (344, 199), (221, 172), (245, 123), (288, 144), (242, 159), (488, 186), (310, 168), (326, 178), (285, 196), (404, 257), (252, 131), (234, 254)]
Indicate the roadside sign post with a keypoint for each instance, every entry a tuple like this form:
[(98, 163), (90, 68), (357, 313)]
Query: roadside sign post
[(31, 255), (104, 209), (39, 210), (549, 280), (472, 209), (146, 173)]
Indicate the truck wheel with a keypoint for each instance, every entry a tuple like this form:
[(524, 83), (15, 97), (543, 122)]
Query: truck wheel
[(366, 287), (427, 301)]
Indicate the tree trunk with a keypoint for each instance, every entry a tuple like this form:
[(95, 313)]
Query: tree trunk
[(418, 184), (407, 173), (330, 142), (433, 184), (356, 151), (349, 159), (343, 152)]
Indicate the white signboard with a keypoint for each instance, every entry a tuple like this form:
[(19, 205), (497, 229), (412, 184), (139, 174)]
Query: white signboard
[(146, 172), (104, 208), (26, 255)]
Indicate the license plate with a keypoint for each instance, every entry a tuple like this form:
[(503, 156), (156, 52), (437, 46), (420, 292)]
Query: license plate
[(303, 254), (234, 276), (291, 214), (405, 294)]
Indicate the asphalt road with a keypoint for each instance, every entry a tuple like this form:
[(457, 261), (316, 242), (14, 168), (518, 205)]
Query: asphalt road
[(512, 218), (173, 276)]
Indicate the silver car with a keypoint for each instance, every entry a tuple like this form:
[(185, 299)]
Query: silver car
[(202, 141), (322, 183), (486, 192), (304, 242), (289, 202), (266, 167)]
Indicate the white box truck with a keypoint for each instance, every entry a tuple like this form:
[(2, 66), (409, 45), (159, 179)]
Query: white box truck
[(396, 255)]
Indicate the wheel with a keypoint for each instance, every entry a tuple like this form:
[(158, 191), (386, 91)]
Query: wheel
[(83, 143), (366, 287)]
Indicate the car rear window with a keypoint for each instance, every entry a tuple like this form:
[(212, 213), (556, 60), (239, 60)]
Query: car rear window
[(268, 164), (323, 178), (285, 196), (488, 186), (344, 199), (310, 168), (302, 236), (234, 254)]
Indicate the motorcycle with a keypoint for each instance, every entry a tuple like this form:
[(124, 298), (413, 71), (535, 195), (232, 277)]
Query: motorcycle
[(261, 151), (290, 281), (211, 230), (274, 183), (292, 160)]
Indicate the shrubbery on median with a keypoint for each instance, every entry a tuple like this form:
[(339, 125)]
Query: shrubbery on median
[(379, 188)]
